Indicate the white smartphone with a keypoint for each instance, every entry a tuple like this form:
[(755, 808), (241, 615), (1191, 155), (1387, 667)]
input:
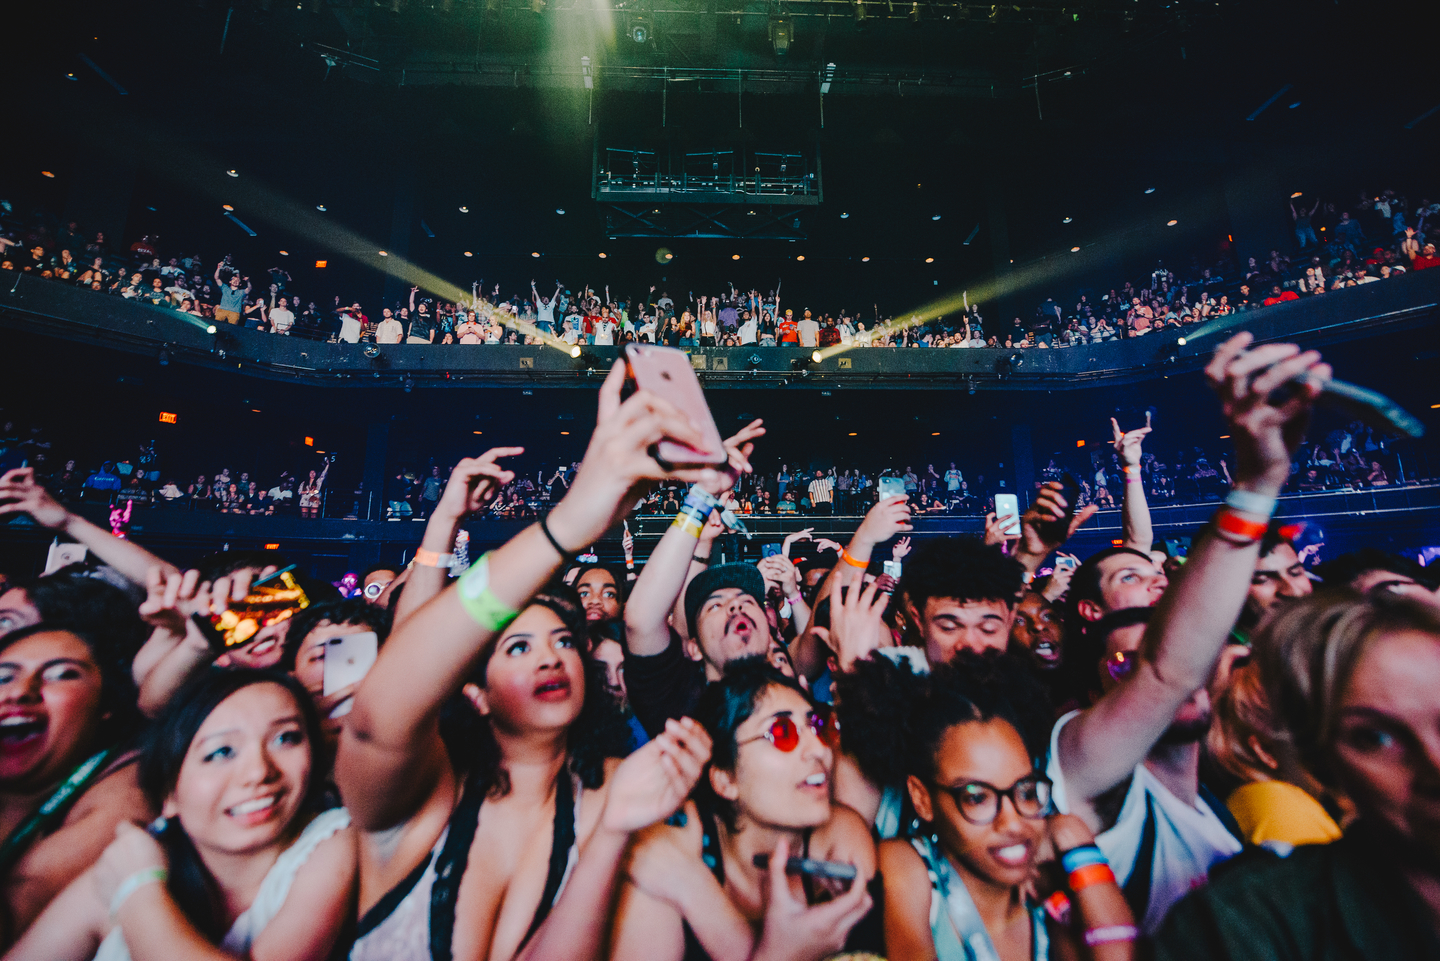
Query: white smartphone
[(1008, 504), (347, 660), (892, 568)]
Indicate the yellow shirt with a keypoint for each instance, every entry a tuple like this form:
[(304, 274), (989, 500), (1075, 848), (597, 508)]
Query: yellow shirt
[(1277, 811)]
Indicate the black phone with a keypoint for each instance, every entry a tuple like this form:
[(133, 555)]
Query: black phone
[(1070, 490), (821, 869)]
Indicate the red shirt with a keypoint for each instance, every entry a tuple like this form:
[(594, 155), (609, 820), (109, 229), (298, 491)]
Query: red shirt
[(786, 332), (1421, 263)]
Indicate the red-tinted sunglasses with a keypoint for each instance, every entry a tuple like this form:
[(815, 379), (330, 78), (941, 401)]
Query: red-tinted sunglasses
[(785, 735), (1121, 664)]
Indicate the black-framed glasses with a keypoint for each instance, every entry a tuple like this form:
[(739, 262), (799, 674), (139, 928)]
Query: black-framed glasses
[(785, 735), (979, 803)]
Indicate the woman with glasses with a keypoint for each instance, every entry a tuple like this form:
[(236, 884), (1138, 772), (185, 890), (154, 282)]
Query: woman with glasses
[(961, 889), (703, 885)]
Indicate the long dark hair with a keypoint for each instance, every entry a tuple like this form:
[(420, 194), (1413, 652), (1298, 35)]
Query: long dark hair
[(166, 745), (600, 732), (112, 652)]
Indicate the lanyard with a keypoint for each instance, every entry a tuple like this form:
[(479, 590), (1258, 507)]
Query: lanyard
[(965, 917), (52, 810)]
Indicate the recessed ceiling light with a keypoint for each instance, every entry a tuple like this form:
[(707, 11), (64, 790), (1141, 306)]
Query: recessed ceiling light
[(1171, 223), (1066, 220), (844, 216), (1294, 105), (284, 253), (464, 210), (1067, 73), (320, 207), (71, 76), (668, 256), (852, 433), (564, 433), (1074, 250), (864, 260), (534, 253), (560, 211), (469, 254), (233, 173), (47, 173), (800, 257), (734, 256), (934, 433), (1149, 190), (936, 217), (1298, 193), (603, 255), (226, 207), (384, 253), (929, 260), (477, 432)]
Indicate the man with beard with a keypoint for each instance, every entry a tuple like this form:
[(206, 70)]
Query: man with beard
[(1128, 765)]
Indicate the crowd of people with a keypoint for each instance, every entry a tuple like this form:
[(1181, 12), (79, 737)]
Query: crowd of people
[(1370, 241), (993, 755)]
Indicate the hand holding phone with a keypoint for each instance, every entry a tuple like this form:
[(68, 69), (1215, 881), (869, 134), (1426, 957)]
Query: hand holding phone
[(888, 487), (666, 373), (1008, 505), (271, 599)]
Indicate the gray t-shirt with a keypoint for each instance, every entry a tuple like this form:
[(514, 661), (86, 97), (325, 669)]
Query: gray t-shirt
[(232, 298)]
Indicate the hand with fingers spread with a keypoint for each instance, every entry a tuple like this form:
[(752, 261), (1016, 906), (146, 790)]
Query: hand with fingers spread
[(474, 483), (1044, 521), (901, 548), (170, 599), (21, 493), (826, 544), (1265, 434), (651, 784), (795, 931), (737, 451), (1128, 443), (800, 535), (857, 623)]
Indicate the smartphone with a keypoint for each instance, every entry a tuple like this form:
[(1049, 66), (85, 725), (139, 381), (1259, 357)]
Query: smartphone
[(271, 600), (1008, 504), (1177, 547), (892, 569), (348, 658), (1064, 562), (1070, 490), (666, 372), (823, 869), (770, 550), (890, 487)]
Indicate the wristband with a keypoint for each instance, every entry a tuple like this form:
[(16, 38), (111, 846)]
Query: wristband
[(1111, 934), (701, 500), (1057, 906), (133, 883), (1131, 469), (1261, 505), (433, 558), (1076, 858), (689, 523), (700, 560), (484, 608), (1239, 528), (1082, 878), (793, 599), (545, 529), (849, 558)]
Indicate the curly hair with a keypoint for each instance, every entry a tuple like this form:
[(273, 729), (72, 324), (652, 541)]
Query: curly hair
[(962, 568), (355, 610), (600, 731)]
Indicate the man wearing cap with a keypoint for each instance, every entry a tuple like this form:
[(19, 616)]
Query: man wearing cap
[(685, 620)]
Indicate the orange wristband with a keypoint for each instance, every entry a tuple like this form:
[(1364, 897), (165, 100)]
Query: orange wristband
[(1229, 522), (1082, 878), (848, 559)]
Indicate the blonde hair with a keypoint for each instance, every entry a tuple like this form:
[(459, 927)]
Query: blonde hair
[(1308, 651)]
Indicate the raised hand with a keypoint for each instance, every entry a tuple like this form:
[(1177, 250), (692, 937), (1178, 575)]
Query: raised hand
[(1037, 530), (995, 528), (475, 481), (651, 784), (794, 931), (170, 599), (800, 535), (901, 548), (857, 625), (20, 493), (778, 570), (1127, 443)]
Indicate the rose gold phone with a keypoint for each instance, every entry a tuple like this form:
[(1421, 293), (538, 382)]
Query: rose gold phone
[(666, 372)]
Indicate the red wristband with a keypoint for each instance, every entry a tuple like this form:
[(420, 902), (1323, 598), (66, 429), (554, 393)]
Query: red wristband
[(1243, 528), (1082, 878), (848, 559)]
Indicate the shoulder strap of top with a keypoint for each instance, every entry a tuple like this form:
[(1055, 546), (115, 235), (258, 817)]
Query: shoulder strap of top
[(710, 844), (562, 840), (1137, 886), (450, 868)]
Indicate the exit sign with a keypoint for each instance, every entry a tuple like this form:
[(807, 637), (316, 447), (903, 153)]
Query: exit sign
[(168, 418)]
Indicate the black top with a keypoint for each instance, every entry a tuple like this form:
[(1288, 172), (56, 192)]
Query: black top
[(663, 686), (1334, 902)]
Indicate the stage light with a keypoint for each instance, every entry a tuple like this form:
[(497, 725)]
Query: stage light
[(1016, 360), (464, 210), (1065, 221), (1171, 223), (210, 329), (383, 253), (564, 433), (815, 356), (1181, 341), (71, 76), (469, 254), (1294, 105), (1074, 250), (575, 352), (233, 173), (585, 73), (47, 174), (320, 207), (864, 260), (859, 12), (639, 30), (371, 351), (782, 31), (934, 433)]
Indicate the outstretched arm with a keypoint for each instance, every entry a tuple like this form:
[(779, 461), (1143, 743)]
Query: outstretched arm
[(20, 493), (1138, 532), (390, 753), (1101, 747)]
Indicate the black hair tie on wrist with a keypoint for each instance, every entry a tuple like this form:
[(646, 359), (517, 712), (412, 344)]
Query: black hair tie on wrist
[(545, 529)]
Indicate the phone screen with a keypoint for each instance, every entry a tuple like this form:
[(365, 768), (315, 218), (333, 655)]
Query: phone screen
[(1008, 505), (890, 487), (770, 550), (266, 604)]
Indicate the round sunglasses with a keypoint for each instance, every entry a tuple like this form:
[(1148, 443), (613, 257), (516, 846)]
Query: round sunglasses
[(785, 734)]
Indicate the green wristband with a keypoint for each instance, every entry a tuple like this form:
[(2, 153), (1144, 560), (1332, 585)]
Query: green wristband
[(484, 608)]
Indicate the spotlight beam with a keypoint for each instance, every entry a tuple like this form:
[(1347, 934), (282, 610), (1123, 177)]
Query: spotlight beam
[(1266, 105)]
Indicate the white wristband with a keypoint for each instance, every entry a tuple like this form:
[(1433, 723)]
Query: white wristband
[(133, 883), (1249, 502)]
